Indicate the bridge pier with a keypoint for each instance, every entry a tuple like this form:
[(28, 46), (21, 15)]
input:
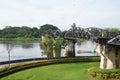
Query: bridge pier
[(107, 57), (70, 49), (109, 53)]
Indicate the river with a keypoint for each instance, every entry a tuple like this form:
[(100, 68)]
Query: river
[(31, 49)]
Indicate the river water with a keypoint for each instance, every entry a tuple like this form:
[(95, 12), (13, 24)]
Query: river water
[(31, 49)]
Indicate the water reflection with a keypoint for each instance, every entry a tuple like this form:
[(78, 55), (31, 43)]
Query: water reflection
[(32, 49), (86, 48), (12, 44), (26, 45), (9, 46), (19, 50)]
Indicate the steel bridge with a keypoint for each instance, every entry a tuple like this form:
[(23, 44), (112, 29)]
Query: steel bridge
[(95, 34)]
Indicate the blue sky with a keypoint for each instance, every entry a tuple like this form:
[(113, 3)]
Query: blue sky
[(61, 13)]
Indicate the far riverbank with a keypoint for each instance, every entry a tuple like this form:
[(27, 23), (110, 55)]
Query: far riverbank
[(19, 39)]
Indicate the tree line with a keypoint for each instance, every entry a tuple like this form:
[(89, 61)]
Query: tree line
[(111, 32), (25, 31)]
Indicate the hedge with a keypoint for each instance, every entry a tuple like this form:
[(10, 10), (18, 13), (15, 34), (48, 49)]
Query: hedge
[(15, 68), (104, 74)]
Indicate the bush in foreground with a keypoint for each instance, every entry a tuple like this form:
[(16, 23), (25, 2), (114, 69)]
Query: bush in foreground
[(104, 74)]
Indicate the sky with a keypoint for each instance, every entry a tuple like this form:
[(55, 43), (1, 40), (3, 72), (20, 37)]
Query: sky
[(60, 13)]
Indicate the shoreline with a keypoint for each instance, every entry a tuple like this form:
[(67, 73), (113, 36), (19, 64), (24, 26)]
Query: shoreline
[(19, 39)]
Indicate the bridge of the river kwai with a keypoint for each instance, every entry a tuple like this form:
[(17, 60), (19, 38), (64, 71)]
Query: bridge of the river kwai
[(107, 46)]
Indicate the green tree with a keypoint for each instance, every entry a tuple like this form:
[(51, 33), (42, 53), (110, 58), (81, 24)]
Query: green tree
[(51, 46), (9, 30), (35, 32), (47, 46), (14, 32), (25, 31), (73, 26), (112, 32), (46, 27), (57, 42)]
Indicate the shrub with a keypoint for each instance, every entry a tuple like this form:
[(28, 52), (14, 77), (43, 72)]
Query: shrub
[(91, 71), (104, 74)]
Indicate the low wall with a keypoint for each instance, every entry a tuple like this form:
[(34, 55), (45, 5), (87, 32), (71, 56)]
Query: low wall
[(36, 59)]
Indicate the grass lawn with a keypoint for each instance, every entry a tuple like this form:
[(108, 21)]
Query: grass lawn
[(71, 71)]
